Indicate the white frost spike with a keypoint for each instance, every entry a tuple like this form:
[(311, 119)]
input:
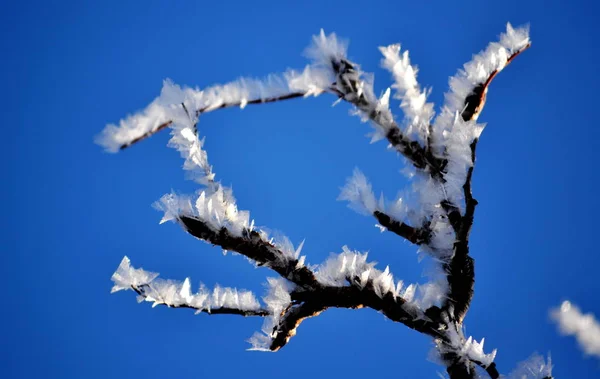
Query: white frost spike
[(515, 39), (381, 228), (584, 327), (188, 134), (398, 289), (364, 278), (467, 349), (325, 48), (299, 249), (359, 194), (127, 276), (383, 283), (336, 270), (286, 246), (397, 208), (215, 206), (409, 293), (384, 101), (185, 291)]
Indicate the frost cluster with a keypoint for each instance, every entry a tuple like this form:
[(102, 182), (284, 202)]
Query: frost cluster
[(584, 327), (417, 111), (535, 367), (429, 193), (286, 247), (359, 194), (176, 294), (458, 154), (351, 267), (467, 349), (277, 300), (167, 107), (352, 84), (475, 72), (215, 207)]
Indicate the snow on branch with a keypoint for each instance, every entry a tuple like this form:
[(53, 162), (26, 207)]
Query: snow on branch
[(584, 327), (177, 294)]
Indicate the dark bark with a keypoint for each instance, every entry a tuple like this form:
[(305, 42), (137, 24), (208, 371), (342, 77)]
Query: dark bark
[(252, 246), (417, 236)]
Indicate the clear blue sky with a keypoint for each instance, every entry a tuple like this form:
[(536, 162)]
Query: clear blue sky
[(73, 211)]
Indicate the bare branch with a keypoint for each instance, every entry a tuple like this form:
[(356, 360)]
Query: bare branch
[(417, 236)]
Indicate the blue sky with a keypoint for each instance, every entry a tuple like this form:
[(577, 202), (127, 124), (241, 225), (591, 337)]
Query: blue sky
[(74, 211)]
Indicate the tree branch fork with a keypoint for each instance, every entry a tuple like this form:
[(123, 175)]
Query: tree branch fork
[(310, 295)]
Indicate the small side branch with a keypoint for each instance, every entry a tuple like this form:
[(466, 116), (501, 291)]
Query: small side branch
[(142, 291), (291, 320), (292, 95), (251, 245), (417, 236), (175, 294), (349, 87), (475, 102)]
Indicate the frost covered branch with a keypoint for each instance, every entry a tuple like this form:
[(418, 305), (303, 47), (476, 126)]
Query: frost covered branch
[(437, 213), (176, 294), (239, 103), (252, 245)]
